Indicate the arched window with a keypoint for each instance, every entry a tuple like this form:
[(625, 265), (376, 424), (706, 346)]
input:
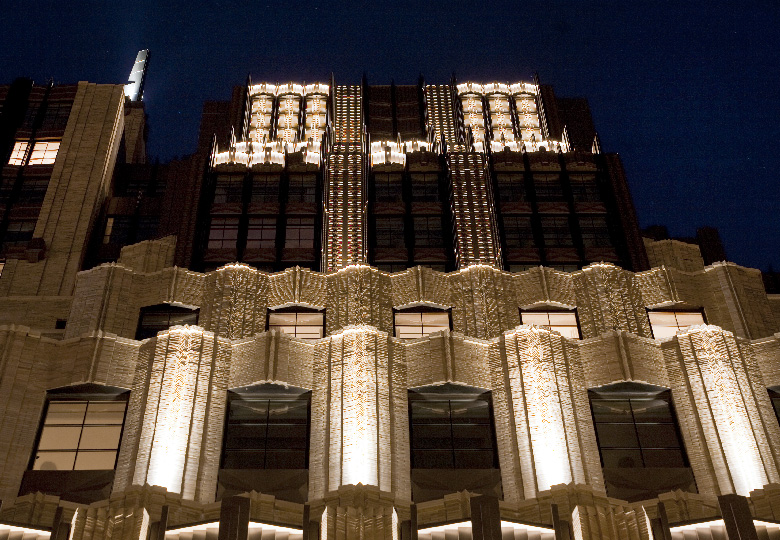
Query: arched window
[(160, 317), (299, 321), (421, 320), (266, 444), (642, 452), (453, 442), (78, 442)]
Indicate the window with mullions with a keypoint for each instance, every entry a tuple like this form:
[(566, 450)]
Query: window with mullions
[(223, 233), (556, 231), (19, 232), (420, 322), (79, 435), (428, 231), (636, 430), (387, 187), (666, 323), (548, 187), (117, 230), (44, 152), (595, 232), (451, 431), (265, 188), (425, 187), (518, 231), (261, 233), (302, 188), (154, 319), (511, 187), (229, 189), (562, 321), (33, 191), (584, 187), (390, 232), (147, 228), (267, 433), (56, 116), (18, 153), (299, 233), (298, 321)]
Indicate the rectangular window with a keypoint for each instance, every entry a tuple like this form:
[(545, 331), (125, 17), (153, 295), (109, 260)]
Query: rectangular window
[(564, 322), (267, 433), (548, 187), (666, 323), (265, 188), (147, 228), (56, 116), (390, 232), (556, 231), (160, 317), (117, 230), (428, 231), (387, 187), (18, 153), (303, 188), (80, 435), (44, 152), (299, 233), (595, 232), (411, 324), (511, 187), (425, 187), (261, 233), (302, 324), (229, 189), (518, 231), (19, 232), (223, 233), (451, 433), (33, 191)]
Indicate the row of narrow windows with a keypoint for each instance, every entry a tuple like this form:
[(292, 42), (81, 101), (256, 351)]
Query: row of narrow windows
[(409, 323), (451, 427)]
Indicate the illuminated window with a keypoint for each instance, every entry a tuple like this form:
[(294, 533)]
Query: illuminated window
[(80, 435), (556, 231), (223, 233), (44, 152), (298, 321), (637, 430), (265, 433), (428, 231), (666, 323), (18, 153), (261, 233), (595, 232), (154, 319), (564, 322), (420, 322), (299, 233), (452, 428), (390, 232)]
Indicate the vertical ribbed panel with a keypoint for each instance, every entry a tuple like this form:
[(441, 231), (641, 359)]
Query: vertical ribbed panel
[(441, 117), (344, 221), (476, 238)]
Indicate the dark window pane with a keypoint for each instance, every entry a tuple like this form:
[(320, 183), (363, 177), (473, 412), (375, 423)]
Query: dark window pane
[(253, 459), (228, 189), (477, 411), (518, 231), (431, 411), (658, 436), (425, 187), (387, 187), (246, 436), (584, 187), (611, 410), (299, 233), (302, 188), (652, 410), (286, 436), (467, 436), (663, 458), (511, 187), (265, 188), (617, 436), (390, 231), (432, 459), (428, 231), (248, 411), (432, 436), (556, 231), (548, 187), (474, 459), (288, 411), (285, 459), (621, 458)]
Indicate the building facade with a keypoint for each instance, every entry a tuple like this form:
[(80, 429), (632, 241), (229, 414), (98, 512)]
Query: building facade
[(365, 311)]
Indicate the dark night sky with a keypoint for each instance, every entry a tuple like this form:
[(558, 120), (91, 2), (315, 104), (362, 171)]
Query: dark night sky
[(686, 92)]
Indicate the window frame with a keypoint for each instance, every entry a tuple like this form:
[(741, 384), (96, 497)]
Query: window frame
[(181, 310), (450, 393), (420, 309), (80, 393), (546, 308), (674, 310), (296, 308)]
